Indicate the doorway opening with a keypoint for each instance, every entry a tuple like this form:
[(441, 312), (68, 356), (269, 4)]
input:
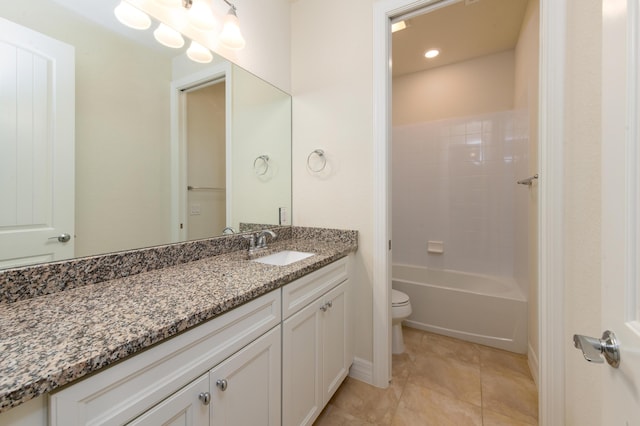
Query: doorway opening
[(205, 145)]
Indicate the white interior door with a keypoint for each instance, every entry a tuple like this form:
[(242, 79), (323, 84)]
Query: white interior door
[(621, 208), (37, 101)]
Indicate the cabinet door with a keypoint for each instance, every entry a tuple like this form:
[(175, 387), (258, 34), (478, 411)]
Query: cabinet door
[(183, 408), (335, 362), (246, 388), (301, 363)]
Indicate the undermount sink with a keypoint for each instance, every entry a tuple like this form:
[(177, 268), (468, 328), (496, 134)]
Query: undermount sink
[(283, 258)]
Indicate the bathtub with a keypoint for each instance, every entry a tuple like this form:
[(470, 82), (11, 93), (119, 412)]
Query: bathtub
[(478, 308)]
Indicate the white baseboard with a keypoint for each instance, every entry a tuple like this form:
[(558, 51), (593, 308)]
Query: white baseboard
[(533, 365), (362, 370)]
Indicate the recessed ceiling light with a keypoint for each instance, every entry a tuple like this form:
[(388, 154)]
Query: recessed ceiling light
[(432, 53), (397, 26)]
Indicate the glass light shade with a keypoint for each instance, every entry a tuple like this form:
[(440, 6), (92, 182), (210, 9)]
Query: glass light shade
[(168, 36), (201, 16), (198, 53), (231, 37), (170, 3), (131, 16)]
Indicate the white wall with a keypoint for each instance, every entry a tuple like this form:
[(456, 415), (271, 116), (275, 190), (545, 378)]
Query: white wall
[(454, 181), (582, 202), (332, 87), (479, 85)]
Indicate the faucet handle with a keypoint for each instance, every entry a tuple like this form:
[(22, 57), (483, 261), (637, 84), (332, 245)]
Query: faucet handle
[(252, 240)]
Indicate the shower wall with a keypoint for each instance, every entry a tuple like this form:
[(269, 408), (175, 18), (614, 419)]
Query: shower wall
[(454, 181), (459, 146)]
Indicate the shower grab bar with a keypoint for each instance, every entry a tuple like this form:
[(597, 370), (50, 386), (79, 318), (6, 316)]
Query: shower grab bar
[(203, 188), (528, 181)]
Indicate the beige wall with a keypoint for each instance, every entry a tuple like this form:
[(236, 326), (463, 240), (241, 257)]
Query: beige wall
[(472, 87), (526, 98), (582, 206), (332, 83)]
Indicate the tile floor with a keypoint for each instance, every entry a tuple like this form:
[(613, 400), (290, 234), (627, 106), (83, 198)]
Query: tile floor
[(441, 381)]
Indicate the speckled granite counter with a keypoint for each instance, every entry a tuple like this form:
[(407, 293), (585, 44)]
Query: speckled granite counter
[(53, 339)]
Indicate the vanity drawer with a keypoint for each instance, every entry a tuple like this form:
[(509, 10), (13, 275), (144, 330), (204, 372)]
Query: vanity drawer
[(120, 393), (305, 290)]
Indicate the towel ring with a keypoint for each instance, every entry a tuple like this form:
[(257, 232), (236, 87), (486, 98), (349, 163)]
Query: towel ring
[(256, 164), (320, 154)]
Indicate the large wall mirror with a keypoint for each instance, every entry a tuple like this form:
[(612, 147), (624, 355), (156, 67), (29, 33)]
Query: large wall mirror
[(163, 149)]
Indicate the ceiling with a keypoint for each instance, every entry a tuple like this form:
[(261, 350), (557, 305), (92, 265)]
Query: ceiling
[(464, 30)]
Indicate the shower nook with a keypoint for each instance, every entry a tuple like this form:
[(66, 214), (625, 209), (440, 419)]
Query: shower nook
[(464, 133)]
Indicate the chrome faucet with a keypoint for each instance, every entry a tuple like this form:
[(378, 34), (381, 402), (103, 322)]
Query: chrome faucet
[(258, 241), (262, 238)]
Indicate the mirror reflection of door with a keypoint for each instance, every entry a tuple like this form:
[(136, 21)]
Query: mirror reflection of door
[(37, 101), (206, 154)]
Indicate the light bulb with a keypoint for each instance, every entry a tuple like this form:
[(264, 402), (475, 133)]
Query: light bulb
[(231, 37), (432, 53), (199, 53), (131, 16), (201, 16), (168, 36)]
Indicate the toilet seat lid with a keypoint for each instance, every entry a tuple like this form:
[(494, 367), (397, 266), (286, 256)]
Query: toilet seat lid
[(398, 298)]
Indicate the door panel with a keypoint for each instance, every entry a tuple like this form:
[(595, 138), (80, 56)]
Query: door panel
[(37, 98), (621, 207)]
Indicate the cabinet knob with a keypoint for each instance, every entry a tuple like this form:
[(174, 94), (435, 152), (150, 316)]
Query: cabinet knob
[(222, 384), (324, 308), (205, 397)]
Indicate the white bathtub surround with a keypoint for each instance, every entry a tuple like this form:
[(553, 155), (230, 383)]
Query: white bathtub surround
[(455, 181), (478, 308)]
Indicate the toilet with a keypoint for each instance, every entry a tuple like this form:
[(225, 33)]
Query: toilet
[(400, 310)]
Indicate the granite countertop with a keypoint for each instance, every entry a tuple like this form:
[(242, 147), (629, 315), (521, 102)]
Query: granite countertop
[(52, 340)]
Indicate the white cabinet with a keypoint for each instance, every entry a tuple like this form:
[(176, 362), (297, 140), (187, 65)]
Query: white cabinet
[(245, 389), (246, 367), (142, 384), (185, 408), (242, 390), (316, 349)]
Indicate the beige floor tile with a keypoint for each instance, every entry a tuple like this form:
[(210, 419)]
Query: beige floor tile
[(334, 416), (448, 376), (511, 395), (451, 348), (422, 406), (367, 402), (490, 418), (497, 360)]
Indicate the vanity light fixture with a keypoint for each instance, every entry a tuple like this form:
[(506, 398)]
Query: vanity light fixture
[(200, 15), (195, 13), (231, 37), (431, 53), (131, 16), (199, 53), (169, 37)]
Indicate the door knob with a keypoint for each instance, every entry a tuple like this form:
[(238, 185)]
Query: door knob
[(63, 238), (592, 348)]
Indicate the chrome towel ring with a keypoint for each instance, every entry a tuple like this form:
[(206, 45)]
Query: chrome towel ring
[(261, 162), (323, 161)]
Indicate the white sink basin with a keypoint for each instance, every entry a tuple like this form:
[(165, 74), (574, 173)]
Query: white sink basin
[(283, 258)]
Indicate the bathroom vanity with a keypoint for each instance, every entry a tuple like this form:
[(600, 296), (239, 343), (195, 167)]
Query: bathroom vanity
[(220, 340)]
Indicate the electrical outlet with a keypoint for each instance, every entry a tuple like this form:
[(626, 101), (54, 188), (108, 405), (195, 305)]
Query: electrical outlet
[(195, 209)]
